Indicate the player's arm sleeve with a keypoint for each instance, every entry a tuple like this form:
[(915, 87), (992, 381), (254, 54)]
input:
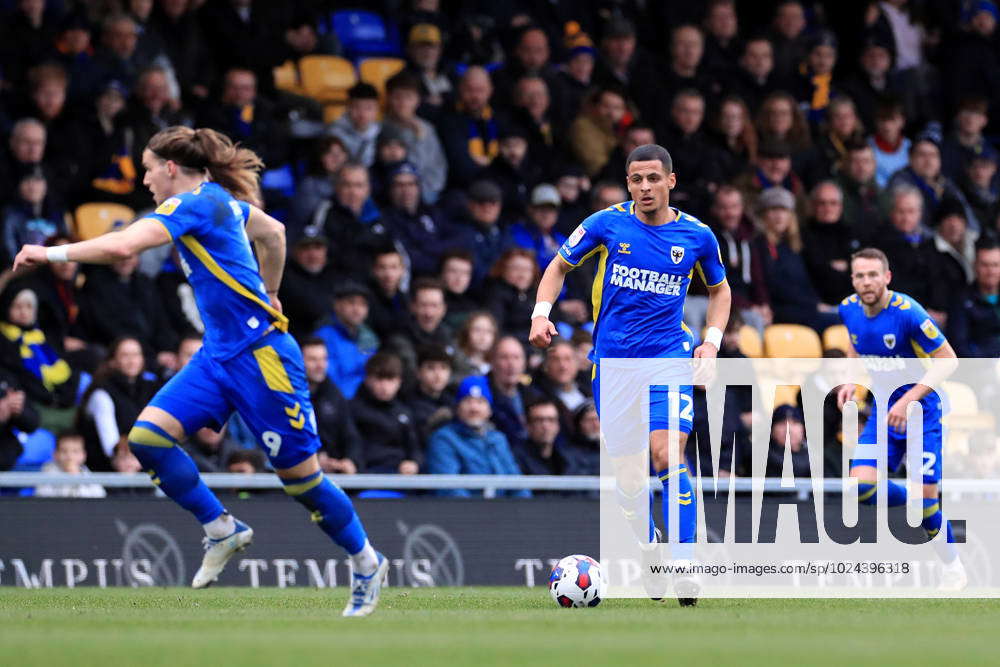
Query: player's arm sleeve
[(584, 241), (710, 262), (176, 214), (924, 331)]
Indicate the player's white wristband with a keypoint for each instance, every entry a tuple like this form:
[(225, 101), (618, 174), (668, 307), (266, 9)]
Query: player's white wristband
[(57, 253), (542, 309), (714, 336)]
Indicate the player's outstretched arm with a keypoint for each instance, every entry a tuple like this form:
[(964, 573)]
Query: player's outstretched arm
[(549, 287), (268, 236), (111, 247), (720, 300)]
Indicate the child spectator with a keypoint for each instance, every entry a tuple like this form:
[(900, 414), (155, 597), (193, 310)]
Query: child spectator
[(431, 402), (470, 445), (425, 150), (69, 458), (892, 149), (456, 276), (385, 424), (359, 127)]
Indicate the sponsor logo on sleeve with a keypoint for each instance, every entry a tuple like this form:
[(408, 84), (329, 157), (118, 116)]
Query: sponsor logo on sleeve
[(575, 237), (169, 206), (931, 331)]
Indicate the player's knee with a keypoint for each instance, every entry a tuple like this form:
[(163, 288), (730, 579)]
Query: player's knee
[(149, 443)]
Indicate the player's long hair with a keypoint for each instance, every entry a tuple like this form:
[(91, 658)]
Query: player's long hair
[(235, 168)]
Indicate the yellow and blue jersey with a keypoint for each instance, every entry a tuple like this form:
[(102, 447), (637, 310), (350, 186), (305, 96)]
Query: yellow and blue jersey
[(902, 330), (642, 279), (208, 227)]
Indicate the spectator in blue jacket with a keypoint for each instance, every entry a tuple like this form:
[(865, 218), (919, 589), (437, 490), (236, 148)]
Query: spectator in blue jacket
[(470, 445), (348, 339)]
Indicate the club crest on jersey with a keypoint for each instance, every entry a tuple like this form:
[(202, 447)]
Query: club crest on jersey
[(889, 340), (576, 236), (676, 254), (623, 248)]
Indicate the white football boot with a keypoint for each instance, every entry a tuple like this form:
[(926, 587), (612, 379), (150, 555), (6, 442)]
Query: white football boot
[(218, 552), (365, 591)]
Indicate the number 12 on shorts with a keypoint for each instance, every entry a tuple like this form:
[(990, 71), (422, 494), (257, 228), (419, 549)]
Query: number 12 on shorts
[(681, 405)]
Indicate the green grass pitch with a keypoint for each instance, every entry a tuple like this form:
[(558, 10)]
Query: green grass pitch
[(479, 626)]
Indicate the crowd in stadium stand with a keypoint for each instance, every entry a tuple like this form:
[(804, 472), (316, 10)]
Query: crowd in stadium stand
[(423, 197)]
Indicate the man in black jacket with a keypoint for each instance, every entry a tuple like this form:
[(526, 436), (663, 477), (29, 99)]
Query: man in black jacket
[(15, 413), (974, 322), (341, 452), (307, 286), (829, 244), (384, 422), (541, 453), (431, 401)]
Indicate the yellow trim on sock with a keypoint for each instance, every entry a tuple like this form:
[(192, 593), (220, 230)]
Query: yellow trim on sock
[(299, 489), (867, 494), (670, 473), (932, 510), (141, 435)]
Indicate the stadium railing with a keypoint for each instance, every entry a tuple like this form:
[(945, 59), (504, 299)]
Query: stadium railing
[(488, 484)]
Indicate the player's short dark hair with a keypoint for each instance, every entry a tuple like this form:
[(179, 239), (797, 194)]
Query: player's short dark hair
[(385, 365), (648, 152), (430, 353), (872, 253), (313, 341)]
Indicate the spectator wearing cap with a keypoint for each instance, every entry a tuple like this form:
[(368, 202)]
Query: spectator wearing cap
[(359, 127), (481, 232), (828, 243), (421, 229), (351, 222), (595, 132), (974, 66), (979, 185), (910, 249), (788, 432), (32, 216), (349, 341), (470, 131), (772, 168), (391, 151), (431, 401), (974, 320), (307, 286), (247, 117), (955, 244), (694, 156), (389, 303), (341, 442), (423, 60), (966, 139), (924, 173), (865, 203), (814, 84), (781, 279), (627, 68), (891, 146), (543, 453), (576, 75), (388, 432), (424, 145), (470, 444), (538, 232)]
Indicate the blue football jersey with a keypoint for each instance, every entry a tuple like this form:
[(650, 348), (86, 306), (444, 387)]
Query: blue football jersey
[(642, 279), (902, 330), (208, 227)]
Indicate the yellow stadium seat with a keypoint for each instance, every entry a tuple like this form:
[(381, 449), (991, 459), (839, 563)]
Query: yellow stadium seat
[(96, 218), (750, 343), (791, 341), (377, 71), (837, 338), (327, 78), (286, 77)]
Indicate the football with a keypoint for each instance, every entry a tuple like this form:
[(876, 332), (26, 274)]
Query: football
[(576, 581)]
